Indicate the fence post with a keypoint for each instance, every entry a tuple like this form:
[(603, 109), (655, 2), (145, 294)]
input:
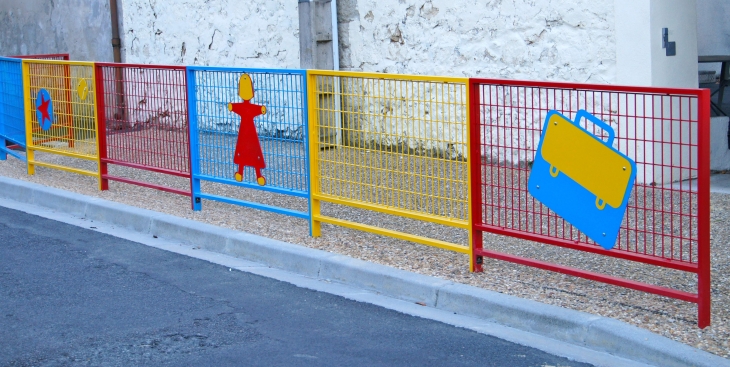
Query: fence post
[(101, 134), (475, 179), (316, 226), (193, 138), (29, 154), (190, 149), (703, 210), (3, 144)]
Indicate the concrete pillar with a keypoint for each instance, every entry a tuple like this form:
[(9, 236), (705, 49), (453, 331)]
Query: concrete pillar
[(642, 60), (315, 34), (640, 57), (316, 51)]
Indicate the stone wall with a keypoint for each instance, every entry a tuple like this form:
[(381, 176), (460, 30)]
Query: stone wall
[(520, 39), (257, 33)]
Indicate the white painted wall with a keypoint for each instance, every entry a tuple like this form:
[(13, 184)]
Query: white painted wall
[(595, 41), (255, 33), (640, 57), (680, 17), (633, 42), (520, 39)]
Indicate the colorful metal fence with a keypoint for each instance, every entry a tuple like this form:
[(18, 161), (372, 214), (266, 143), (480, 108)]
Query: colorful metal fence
[(393, 144), (60, 104), (251, 138), (57, 57), (482, 155), (143, 122), (12, 120), (664, 131)]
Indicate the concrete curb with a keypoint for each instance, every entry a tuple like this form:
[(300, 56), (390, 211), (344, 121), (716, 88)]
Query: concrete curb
[(574, 327)]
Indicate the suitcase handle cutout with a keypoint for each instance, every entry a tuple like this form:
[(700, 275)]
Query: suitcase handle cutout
[(554, 171), (596, 121)]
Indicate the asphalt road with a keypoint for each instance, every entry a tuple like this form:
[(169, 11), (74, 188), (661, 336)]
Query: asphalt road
[(70, 296)]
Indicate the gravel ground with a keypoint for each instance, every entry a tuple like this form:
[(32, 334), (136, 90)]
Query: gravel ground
[(671, 318)]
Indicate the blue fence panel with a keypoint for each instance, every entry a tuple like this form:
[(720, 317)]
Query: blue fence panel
[(12, 117), (282, 133)]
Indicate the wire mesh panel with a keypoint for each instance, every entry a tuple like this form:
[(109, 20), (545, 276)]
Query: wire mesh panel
[(12, 119), (143, 122), (665, 132), (393, 144), (60, 104), (249, 129), (58, 57)]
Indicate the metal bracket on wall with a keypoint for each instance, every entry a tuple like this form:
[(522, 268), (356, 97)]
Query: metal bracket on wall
[(671, 47)]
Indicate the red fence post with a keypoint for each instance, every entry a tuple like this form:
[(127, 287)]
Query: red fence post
[(703, 210), (101, 118), (187, 124), (477, 211)]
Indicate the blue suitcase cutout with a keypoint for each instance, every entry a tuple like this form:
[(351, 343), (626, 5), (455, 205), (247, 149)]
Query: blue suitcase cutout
[(583, 179)]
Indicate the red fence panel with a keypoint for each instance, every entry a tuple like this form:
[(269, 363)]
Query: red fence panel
[(143, 122), (664, 131), (61, 57)]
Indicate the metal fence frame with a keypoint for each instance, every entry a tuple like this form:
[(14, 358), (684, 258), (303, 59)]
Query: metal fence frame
[(179, 151), (195, 158), (32, 146), (701, 266), (13, 90), (318, 196), (59, 57), (12, 107)]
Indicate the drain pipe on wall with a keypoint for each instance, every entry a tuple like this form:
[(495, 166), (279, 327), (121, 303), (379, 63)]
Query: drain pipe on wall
[(117, 51), (336, 66), (335, 38), (116, 41)]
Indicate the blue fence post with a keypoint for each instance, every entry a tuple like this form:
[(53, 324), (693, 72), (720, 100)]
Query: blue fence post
[(307, 162), (3, 142), (194, 144)]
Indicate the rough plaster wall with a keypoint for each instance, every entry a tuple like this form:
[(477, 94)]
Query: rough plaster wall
[(550, 40), (257, 33), (81, 28), (516, 39)]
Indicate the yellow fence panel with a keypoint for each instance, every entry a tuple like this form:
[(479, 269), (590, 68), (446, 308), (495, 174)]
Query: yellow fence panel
[(60, 116), (395, 144)]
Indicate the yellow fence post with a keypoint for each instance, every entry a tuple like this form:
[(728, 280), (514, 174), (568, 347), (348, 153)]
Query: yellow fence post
[(29, 154), (313, 118)]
